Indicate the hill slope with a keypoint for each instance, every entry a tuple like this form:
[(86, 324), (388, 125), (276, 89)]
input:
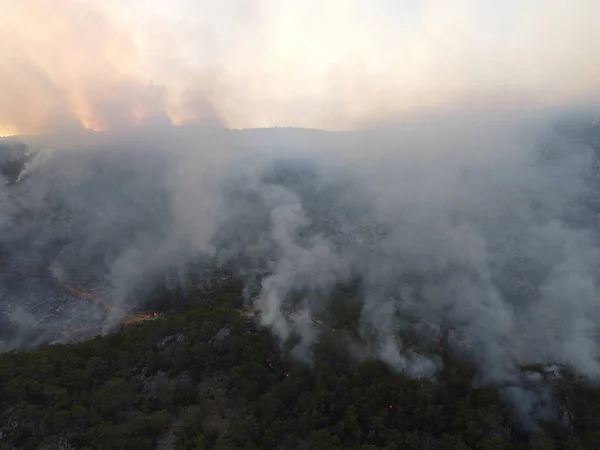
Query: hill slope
[(210, 379)]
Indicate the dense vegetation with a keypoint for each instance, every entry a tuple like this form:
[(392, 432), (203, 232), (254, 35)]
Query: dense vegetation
[(209, 378)]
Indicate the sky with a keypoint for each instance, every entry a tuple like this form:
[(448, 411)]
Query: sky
[(335, 64)]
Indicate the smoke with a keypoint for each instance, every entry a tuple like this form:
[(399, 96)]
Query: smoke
[(337, 65), (480, 224), (485, 227)]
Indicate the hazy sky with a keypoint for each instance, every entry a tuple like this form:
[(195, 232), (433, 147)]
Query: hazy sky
[(315, 63)]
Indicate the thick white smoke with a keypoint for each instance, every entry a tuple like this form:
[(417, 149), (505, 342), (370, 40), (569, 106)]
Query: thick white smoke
[(486, 226)]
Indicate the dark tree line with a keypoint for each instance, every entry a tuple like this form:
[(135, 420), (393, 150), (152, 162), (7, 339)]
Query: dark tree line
[(207, 378)]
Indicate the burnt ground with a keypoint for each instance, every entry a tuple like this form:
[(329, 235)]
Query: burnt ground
[(38, 311)]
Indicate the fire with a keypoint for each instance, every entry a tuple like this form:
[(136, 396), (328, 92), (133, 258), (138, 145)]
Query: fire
[(6, 131), (154, 314), (87, 117), (391, 407)]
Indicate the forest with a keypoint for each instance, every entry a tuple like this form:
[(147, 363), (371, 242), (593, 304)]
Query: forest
[(208, 377), (300, 225)]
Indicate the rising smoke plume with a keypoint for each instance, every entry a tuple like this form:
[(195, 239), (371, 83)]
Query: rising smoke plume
[(481, 228), (485, 226)]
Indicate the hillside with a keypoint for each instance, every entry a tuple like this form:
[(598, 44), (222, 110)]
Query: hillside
[(209, 378), (404, 294)]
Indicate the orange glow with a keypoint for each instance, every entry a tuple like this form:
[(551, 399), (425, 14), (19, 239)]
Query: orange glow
[(8, 130), (91, 124), (390, 406), (102, 64), (86, 117), (175, 119)]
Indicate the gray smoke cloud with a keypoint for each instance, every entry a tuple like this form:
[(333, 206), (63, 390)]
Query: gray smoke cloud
[(486, 226)]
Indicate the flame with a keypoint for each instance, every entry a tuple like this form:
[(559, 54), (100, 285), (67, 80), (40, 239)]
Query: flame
[(86, 116), (7, 130), (87, 58), (92, 124), (155, 314)]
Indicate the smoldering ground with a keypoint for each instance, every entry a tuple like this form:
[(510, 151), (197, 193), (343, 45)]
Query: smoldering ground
[(484, 226)]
